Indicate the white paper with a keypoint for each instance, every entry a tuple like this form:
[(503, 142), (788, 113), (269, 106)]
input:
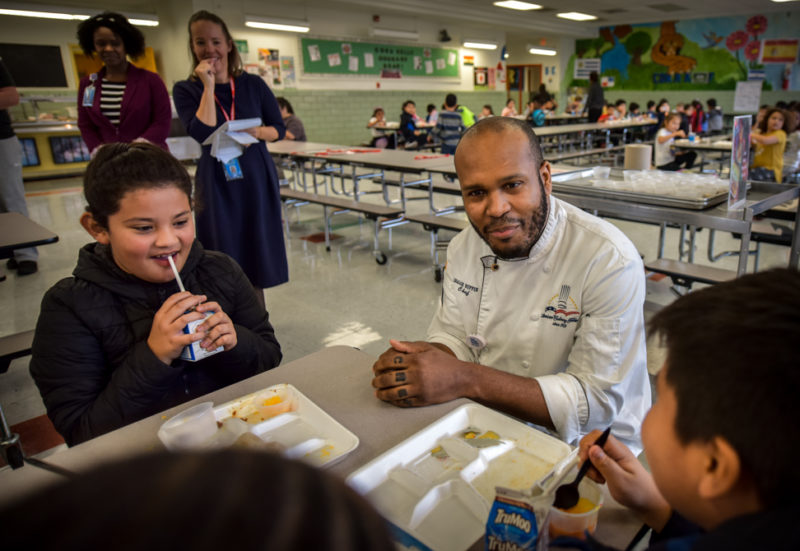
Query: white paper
[(369, 60), (228, 140), (440, 64), (313, 52), (334, 60), (451, 59), (417, 63), (428, 67), (353, 63), (748, 96)]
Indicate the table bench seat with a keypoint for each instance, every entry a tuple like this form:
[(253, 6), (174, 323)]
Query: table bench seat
[(685, 273), (14, 346), (370, 210)]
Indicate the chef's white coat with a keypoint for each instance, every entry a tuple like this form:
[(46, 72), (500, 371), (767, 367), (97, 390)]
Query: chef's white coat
[(569, 315)]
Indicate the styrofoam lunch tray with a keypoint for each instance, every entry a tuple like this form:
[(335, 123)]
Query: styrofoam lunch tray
[(443, 502), (307, 432)]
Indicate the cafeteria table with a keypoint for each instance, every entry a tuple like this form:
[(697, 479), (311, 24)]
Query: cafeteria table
[(706, 147), (338, 380), (19, 232)]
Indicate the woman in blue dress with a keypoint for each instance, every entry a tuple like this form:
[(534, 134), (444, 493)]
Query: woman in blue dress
[(239, 207)]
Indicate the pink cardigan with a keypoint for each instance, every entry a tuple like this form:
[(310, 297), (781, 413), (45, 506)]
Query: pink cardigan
[(145, 112)]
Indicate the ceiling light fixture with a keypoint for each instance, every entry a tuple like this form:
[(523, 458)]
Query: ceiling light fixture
[(479, 45), (576, 16), (271, 24), (514, 5), (535, 50), (81, 14), (394, 33), (45, 14)]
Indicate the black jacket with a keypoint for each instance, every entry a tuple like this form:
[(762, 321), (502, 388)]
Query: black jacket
[(91, 360), (772, 529)]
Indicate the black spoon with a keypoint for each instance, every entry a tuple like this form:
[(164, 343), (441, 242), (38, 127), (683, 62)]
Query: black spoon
[(567, 494)]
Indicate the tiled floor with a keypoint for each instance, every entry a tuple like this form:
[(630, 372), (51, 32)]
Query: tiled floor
[(337, 297)]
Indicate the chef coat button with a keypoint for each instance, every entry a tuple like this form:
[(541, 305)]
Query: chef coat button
[(534, 317), (546, 269), (526, 364)]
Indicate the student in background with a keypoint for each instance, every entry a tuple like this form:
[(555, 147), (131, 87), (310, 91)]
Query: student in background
[(109, 339), (715, 120), (408, 125), (651, 109), (467, 116), (450, 125), (376, 124), (510, 110), (769, 144), (713, 484), (294, 126), (697, 121), (634, 110), (662, 110), (121, 102), (621, 107), (762, 111), (595, 101), (681, 109), (241, 213), (666, 157), (433, 115), (791, 155), (486, 112)]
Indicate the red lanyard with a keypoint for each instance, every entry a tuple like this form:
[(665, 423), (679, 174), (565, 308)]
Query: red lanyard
[(233, 102)]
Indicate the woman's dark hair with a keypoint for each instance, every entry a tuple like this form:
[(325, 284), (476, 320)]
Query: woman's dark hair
[(234, 59), (132, 38), (593, 76), (201, 501), (283, 102), (732, 361), (763, 124), (119, 168)]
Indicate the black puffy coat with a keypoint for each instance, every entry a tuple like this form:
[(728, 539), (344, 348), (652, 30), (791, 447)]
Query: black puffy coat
[(91, 360)]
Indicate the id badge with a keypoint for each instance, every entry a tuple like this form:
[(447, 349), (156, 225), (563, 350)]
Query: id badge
[(88, 96), (233, 170)]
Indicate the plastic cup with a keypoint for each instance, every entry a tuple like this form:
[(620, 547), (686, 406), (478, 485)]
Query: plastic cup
[(190, 429), (576, 525), (602, 172)]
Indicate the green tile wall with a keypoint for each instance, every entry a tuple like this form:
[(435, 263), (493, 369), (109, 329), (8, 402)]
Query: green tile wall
[(340, 116)]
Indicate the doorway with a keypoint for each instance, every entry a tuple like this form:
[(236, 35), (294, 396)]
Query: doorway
[(522, 82)]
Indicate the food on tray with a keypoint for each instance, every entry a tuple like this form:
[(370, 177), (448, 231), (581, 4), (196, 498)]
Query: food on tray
[(583, 506), (472, 436), (265, 405)]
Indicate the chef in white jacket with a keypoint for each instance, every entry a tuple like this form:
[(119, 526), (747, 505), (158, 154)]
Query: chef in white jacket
[(542, 304)]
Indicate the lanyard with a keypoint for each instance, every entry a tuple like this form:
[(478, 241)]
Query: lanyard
[(233, 102)]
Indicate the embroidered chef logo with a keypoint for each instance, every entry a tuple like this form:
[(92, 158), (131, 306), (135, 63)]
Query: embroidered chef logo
[(465, 288), (562, 309)]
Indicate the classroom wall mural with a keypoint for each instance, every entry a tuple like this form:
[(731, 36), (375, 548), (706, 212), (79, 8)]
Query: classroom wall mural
[(695, 54)]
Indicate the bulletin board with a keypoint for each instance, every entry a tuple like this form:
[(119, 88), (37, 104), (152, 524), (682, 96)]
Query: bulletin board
[(389, 60)]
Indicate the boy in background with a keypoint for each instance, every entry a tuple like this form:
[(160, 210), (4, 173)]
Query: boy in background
[(721, 438), (449, 126)]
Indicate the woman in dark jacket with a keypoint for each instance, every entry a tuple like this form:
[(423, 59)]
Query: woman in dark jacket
[(596, 100), (109, 339)]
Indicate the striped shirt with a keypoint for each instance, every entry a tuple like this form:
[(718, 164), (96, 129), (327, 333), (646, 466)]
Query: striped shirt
[(111, 100)]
